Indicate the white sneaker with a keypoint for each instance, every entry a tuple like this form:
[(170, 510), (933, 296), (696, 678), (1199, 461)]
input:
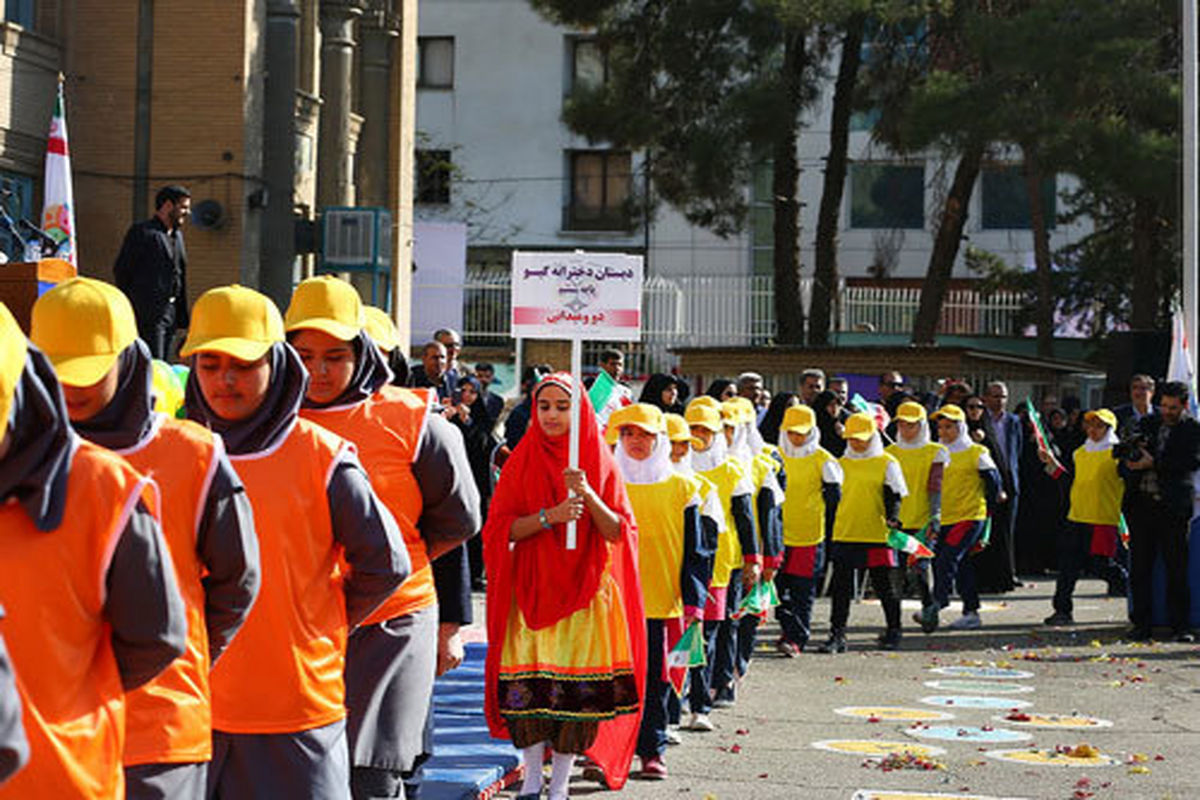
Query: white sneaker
[(700, 722), (673, 736), (966, 622)]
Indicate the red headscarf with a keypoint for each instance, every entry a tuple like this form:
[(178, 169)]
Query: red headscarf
[(550, 582)]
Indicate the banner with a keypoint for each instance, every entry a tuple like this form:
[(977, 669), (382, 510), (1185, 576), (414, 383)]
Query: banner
[(596, 296), (58, 206)]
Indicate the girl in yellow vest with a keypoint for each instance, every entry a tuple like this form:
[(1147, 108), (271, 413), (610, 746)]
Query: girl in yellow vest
[(711, 460), (970, 489), (671, 560), (813, 489), (331, 553), (93, 607), (86, 328), (923, 462), (1097, 492), (764, 467), (872, 489), (418, 467)]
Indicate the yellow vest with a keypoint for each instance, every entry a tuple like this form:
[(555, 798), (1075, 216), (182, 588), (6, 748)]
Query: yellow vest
[(729, 548), (803, 499), (861, 516), (762, 466), (1098, 490), (962, 487), (659, 510), (915, 463)]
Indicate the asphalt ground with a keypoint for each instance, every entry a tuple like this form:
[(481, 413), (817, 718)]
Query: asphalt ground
[(763, 747)]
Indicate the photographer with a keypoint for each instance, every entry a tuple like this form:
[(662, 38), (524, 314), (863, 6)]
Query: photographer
[(1158, 508)]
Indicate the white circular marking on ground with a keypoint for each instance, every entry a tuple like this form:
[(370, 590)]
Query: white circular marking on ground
[(1051, 758), (894, 714), (971, 701), (983, 673), (969, 733), (979, 687), (1073, 722), (874, 748)]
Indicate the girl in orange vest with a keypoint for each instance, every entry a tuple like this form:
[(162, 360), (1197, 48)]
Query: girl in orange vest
[(330, 550), (567, 635), (418, 467), (87, 329), (86, 579)]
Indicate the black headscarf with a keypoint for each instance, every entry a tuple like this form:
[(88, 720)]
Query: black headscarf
[(658, 383), (274, 417), (831, 440), (718, 387), (38, 462), (129, 416), (371, 373), (769, 427)]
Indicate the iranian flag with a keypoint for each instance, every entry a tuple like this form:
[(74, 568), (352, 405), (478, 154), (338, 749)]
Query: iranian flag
[(687, 652), (1043, 441), (911, 545), (58, 208), (607, 396)]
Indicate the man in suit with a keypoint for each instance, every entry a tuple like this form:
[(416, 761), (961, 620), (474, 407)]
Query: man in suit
[(1010, 438), (1140, 405), (1158, 506), (151, 270)]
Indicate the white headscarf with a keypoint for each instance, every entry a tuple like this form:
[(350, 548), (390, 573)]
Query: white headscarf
[(713, 457), (874, 448), (754, 438), (963, 441), (1106, 443), (811, 442), (684, 465), (655, 468), (923, 438), (740, 447)]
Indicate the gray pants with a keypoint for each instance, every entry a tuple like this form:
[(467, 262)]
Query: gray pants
[(312, 764), (166, 781)]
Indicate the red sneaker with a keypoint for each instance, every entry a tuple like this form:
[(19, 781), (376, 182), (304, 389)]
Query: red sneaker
[(653, 769)]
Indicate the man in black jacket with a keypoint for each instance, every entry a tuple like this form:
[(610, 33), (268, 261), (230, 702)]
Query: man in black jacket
[(151, 270), (1158, 503)]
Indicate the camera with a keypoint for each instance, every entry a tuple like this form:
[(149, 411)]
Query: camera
[(1130, 447)]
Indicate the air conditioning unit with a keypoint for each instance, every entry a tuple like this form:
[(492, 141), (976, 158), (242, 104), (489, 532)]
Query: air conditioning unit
[(356, 238), (359, 240)]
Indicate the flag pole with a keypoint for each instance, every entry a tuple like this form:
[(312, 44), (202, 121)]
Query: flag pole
[(1191, 237), (576, 402)]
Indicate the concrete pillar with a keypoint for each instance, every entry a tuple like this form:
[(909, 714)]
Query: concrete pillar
[(278, 249), (335, 183), (401, 151), (379, 36)]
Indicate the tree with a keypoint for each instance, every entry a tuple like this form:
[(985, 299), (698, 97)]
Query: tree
[(708, 89)]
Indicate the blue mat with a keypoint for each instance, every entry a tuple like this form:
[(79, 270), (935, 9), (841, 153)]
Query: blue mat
[(466, 760)]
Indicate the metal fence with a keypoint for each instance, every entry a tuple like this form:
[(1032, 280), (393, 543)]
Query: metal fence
[(738, 310)]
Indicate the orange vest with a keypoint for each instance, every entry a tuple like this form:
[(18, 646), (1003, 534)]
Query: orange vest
[(52, 585), (169, 719), (283, 671), (385, 428)]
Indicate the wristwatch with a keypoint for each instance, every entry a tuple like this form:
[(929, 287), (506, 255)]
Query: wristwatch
[(544, 520)]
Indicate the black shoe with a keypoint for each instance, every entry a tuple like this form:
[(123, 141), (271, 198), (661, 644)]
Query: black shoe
[(835, 644), (890, 639), (928, 618), (1185, 637), (1059, 618), (1138, 634)]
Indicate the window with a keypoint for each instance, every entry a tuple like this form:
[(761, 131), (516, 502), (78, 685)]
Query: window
[(17, 200), (589, 64), (762, 220), (601, 182), (1006, 201), (433, 168), (887, 196), (20, 12), (435, 62)]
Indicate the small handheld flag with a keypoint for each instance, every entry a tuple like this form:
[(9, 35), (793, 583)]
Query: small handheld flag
[(914, 547), (1039, 434), (758, 601), (688, 652), (607, 396)]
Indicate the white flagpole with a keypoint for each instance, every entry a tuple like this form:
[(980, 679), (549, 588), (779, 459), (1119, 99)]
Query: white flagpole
[(1191, 237), (576, 403)]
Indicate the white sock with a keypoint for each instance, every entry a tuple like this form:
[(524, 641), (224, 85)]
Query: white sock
[(534, 757), (560, 774)]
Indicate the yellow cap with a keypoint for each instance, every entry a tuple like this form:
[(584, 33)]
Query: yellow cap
[(381, 329), (910, 411), (737, 411), (799, 419), (327, 304), (13, 349), (704, 415), (706, 400), (641, 415), (1104, 415), (950, 411), (236, 321), (82, 325), (677, 428), (859, 426)]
